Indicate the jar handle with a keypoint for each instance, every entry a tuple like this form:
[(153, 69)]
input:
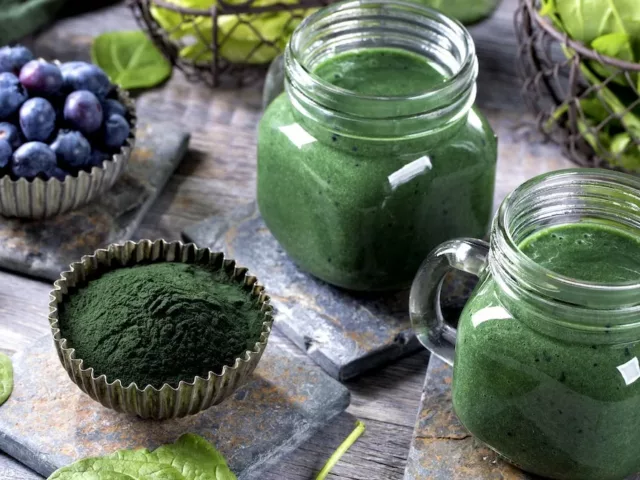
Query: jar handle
[(466, 254)]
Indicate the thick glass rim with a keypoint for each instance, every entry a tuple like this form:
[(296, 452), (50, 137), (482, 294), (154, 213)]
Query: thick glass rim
[(356, 25), (553, 281), (293, 49)]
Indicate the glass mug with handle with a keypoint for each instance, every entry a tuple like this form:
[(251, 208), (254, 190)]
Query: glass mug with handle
[(546, 350)]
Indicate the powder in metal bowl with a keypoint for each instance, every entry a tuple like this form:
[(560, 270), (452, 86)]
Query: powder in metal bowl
[(160, 323)]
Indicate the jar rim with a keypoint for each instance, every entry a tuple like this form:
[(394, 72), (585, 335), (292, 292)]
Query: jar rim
[(549, 282), (454, 26), (354, 25)]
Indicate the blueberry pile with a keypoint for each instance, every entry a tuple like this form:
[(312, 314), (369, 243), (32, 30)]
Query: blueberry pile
[(56, 120)]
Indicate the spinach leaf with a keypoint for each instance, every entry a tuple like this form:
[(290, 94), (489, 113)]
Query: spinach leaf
[(612, 28), (190, 458), (586, 20), (191, 455), (6, 378), (594, 109), (628, 153), (616, 45), (240, 35), (121, 469), (618, 150), (174, 23), (130, 59), (630, 120)]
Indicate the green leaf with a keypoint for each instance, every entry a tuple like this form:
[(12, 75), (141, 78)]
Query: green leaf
[(627, 153), (594, 109), (130, 59), (548, 9), (190, 458), (630, 121), (616, 45), (6, 378), (191, 455), (120, 469), (236, 51), (586, 20), (173, 22), (239, 41)]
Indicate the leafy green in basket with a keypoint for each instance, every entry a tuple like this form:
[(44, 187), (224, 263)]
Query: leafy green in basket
[(191, 457), (240, 36), (586, 20), (611, 120), (615, 45), (130, 59), (6, 378)]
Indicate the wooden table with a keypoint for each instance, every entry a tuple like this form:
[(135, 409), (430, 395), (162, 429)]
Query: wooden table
[(219, 173)]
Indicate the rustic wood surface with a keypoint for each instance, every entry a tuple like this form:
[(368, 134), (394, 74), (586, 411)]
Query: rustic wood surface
[(219, 173)]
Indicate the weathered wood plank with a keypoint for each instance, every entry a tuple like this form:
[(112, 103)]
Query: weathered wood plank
[(23, 311)]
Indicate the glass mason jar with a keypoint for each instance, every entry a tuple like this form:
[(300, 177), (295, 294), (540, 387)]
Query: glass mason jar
[(358, 188), (546, 366)]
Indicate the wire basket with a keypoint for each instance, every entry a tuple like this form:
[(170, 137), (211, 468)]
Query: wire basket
[(230, 43), (576, 94)]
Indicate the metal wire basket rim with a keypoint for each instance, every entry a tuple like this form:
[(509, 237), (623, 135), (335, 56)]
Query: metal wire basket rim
[(223, 8), (579, 47)]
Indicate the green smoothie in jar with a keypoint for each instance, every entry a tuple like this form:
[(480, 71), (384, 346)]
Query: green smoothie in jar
[(546, 367), (375, 154)]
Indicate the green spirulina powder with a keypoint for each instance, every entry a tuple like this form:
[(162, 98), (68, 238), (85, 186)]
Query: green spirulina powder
[(160, 323)]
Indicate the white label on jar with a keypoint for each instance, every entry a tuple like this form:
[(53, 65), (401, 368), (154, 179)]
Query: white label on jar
[(298, 135), (630, 371), (409, 172), (489, 313)]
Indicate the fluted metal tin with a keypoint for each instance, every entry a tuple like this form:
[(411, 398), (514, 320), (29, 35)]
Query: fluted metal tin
[(40, 198), (167, 402)]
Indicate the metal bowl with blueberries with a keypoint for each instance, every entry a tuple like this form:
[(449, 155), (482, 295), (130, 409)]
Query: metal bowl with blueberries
[(66, 134)]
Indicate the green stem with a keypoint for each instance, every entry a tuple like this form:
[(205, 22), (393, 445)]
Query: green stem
[(350, 440)]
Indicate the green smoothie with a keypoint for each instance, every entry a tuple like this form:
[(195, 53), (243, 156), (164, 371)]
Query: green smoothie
[(381, 72), (586, 251), (556, 406), (362, 213)]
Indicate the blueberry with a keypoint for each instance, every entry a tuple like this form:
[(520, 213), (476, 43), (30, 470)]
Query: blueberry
[(87, 77), (8, 80), (116, 131), (68, 66), (37, 119), (72, 149), (12, 59), (33, 158), (56, 172), (41, 78), (97, 157), (111, 106), (12, 94), (5, 153), (10, 133), (83, 111)]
